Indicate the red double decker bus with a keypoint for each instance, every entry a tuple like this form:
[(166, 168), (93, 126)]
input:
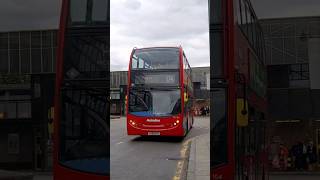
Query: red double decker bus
[(160, 92), (238, 92), (81, 119)]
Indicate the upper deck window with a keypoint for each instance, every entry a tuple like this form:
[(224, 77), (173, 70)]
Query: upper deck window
[(78, 10), (99, 10), (156, 58), (88, 12)]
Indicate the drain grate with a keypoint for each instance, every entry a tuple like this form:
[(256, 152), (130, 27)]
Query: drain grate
[(175, 158)]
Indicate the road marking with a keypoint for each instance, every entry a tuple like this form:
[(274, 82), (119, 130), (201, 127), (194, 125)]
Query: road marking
[(182, 163), (119, 143)]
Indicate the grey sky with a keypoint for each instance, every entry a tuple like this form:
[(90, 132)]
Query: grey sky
[(141, 23), (286, 8), (144, 23), (18, 15)]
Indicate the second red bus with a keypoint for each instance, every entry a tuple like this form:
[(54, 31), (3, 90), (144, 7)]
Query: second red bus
[(160, 92)]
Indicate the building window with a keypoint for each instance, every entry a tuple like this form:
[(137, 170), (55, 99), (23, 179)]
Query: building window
[(25, 40), (299, 71), (14, 40), (11, 109), (47, 60), (3, 61), (35, 39), (4, 41), (24, 110), (14, 61), (46, 39), (114, 95), (36, 60), (25, 60)]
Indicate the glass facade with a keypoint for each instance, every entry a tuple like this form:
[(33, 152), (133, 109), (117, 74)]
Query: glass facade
[(287, 39), (28, 52)]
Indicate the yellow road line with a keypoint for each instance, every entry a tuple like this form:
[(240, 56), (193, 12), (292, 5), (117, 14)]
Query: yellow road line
[(183, 162)]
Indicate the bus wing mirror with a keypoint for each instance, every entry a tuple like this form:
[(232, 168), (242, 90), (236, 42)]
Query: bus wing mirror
[(242, 112)]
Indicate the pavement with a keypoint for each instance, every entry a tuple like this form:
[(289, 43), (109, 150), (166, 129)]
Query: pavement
[(199, 158), (13, 175)]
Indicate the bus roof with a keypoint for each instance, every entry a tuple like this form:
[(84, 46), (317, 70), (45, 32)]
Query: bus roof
[(159, 47)]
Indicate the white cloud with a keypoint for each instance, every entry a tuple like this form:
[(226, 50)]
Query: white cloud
[(143, 23)]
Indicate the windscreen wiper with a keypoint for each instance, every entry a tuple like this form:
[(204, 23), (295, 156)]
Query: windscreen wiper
[(143, 102)]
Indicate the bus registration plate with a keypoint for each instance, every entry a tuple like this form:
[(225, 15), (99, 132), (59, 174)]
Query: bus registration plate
[(154, 133)]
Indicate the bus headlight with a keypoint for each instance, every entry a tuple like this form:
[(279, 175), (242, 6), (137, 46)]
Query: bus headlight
[(132, 122), (177, 121), (175, 124)]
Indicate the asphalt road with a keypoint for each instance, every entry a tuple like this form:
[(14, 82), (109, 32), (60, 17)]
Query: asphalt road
[(136, 158)]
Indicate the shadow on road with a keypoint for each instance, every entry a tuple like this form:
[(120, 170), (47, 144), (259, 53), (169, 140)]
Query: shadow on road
[(169, 139)]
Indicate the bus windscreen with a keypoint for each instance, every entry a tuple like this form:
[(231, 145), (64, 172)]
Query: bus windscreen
[(154, 102)]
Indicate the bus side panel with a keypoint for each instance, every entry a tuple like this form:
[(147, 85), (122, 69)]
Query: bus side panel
[(68, 174), (222, 173), (182, 90), (230, 58), (57, 103)]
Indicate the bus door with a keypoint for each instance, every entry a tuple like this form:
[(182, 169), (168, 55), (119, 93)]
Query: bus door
[(187, 108), (219, 131)]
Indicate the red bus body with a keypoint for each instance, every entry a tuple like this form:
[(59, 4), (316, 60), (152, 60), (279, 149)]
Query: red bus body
[(62, 171), (173, 125), (237, 54)]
